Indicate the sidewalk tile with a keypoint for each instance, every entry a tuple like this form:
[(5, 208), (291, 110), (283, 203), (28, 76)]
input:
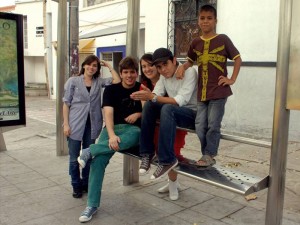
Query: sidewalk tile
[(217, 208)]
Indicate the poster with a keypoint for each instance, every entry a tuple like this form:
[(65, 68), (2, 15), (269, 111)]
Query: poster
[(293, 91), (12, 97)]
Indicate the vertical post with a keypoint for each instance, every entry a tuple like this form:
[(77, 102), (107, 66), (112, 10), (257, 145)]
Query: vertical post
[(62, 62), (2, 142), (130, 164), (275, 199), (74, 38)]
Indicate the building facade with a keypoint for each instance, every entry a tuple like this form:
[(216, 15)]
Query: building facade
[(171, 23)]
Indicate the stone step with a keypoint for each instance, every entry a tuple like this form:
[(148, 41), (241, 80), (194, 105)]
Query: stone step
[(36, 85), (36, 89)]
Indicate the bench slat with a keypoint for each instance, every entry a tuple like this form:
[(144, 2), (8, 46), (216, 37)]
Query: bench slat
[(226, 178), (219, 176)]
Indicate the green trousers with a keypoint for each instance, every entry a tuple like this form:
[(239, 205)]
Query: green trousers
[(101, 154)]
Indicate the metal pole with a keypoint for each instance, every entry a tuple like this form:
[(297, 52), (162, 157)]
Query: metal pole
[(130, 164), (74, 37), (275, 199), (62, 62)]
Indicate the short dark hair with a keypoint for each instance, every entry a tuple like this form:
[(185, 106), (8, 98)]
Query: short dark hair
[(128, 63), (208, 8), (87, 61)]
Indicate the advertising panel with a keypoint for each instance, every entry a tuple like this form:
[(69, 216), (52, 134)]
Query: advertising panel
[(293, 92), (12, 96)]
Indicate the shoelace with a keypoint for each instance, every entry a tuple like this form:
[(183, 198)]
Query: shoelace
[(85, 155), (87, 211), (158, 170), (145, 162)]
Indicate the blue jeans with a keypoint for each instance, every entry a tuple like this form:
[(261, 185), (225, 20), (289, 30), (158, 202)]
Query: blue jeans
[(170, 116), (78, 181), (208, 124), (101, 153)]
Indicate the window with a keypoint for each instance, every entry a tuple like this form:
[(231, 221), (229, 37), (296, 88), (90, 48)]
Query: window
[(107, 56), (184, 14), (88, 3)]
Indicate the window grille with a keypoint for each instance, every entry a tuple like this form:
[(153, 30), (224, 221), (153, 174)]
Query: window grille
[(183, 24)]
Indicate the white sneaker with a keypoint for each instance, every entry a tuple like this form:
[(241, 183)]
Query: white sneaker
[(165, 188), (173, 191)]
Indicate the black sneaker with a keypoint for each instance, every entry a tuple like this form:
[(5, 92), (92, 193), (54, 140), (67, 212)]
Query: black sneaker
[(163, 170), (146, 164), (85, 188), (77, 193)]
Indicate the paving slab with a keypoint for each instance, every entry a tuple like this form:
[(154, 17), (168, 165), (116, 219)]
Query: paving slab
[(34, 179), (217, 208)]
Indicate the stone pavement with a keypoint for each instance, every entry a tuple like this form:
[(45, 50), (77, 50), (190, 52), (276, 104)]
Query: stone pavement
[(35, 185)]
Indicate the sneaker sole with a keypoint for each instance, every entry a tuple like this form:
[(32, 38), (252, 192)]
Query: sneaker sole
[(81, 162), (83, 220), (174, 198), (163, 190), (166, 190), (152, 178)]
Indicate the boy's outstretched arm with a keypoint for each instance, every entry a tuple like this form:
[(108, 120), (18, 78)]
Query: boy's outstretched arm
[(236, 69), (181, 69)]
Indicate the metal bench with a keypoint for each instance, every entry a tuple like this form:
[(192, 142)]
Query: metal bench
[(223, 177)]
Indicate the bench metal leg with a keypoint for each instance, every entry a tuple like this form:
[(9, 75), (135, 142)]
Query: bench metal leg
[(130, 170)]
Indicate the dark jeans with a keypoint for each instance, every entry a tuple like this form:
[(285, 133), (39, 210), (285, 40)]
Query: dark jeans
[(208, 125), (78, 181), (170, 116)]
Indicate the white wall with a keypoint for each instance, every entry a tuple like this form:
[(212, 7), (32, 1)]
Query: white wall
[(34, 12), (250, 109), (33, 56), (254, 31), (34, 69), (111, 40), (156, 23), (252, 25)]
